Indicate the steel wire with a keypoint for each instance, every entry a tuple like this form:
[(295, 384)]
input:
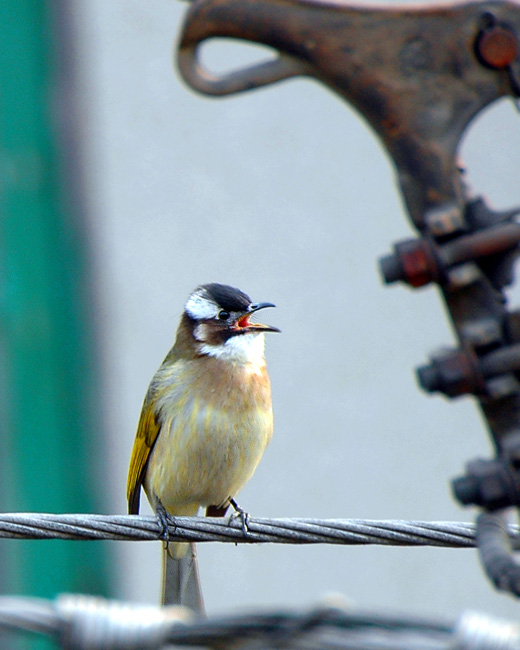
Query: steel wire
[(78, 622), (259, 530)]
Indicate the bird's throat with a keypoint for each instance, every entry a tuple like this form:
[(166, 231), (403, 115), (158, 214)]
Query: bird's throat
[(247, 349)]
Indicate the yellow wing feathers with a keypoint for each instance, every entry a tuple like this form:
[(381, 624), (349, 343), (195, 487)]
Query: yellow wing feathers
[(147, 432)]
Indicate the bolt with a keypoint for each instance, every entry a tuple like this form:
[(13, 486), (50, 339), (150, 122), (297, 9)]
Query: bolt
[(497, 47), (391, 269), (413, 262), (454, 373), (466, 490)]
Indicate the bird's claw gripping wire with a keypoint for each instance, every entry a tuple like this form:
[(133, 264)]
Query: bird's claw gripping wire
[(165, 521), (241, 514)]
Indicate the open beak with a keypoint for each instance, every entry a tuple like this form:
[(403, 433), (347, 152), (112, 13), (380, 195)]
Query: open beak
[(243, 323)]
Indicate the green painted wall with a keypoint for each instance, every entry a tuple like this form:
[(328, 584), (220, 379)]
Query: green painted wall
[(49, 419)]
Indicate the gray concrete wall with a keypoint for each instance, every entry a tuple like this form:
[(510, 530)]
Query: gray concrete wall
[(286, 194)]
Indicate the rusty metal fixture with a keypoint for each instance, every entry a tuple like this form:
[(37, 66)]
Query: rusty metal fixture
[(413, 261), (496, 45), (488, 483), (418, 262), (454, 373), (461, 372), (411, 71), (419, 75)]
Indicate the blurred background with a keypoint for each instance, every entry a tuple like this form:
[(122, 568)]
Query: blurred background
[(122, 191)]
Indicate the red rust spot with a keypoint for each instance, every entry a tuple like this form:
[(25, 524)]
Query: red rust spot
[(418, 263), (497, 47)]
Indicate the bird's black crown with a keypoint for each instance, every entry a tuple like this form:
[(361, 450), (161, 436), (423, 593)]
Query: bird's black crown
[(229, 298)]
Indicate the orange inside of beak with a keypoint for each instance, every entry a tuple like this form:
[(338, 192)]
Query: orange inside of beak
[(244, 321)]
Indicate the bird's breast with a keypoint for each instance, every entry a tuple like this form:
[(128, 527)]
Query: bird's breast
[(216, 420)]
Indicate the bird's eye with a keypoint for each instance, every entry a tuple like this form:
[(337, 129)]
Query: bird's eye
[(223, 315)]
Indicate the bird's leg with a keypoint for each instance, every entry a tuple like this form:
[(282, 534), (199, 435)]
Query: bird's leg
[(165, 520), (241, 513)]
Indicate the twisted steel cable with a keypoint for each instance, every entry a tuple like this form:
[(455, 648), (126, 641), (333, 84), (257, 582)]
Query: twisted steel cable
[(259, 530), (78, 622)]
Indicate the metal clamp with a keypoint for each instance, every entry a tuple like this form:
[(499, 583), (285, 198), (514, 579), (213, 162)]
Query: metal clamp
[(419, 75)]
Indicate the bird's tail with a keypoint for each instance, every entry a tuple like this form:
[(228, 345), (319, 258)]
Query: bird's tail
[(181, 584)]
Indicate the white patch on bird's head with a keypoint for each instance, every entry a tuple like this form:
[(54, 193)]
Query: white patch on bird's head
[(200, 306), (243, 348)]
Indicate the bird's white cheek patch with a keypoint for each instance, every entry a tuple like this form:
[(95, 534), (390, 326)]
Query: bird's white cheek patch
[(200, 308)]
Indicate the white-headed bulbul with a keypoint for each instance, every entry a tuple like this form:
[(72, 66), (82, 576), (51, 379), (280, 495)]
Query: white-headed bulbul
[(205, 422)]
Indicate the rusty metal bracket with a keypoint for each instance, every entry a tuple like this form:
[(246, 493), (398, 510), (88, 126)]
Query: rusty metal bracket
[(418, 75)]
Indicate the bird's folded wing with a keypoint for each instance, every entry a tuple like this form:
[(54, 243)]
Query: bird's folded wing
[(147, 432)]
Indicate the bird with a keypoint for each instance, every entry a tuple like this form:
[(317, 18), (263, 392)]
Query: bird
[(205, 423)]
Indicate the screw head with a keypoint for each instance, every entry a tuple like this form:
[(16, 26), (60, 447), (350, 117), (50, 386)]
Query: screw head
[(497, 47)]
